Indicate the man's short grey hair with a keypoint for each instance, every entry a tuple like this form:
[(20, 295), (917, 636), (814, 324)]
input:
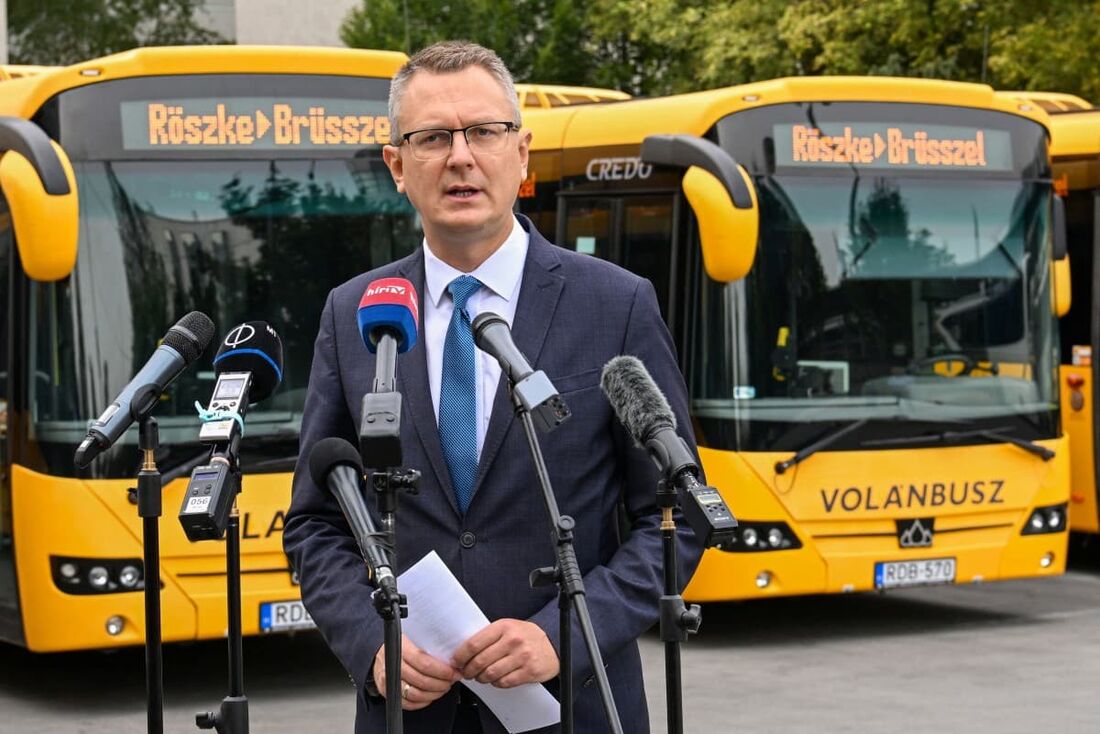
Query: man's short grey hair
[(445, 57)]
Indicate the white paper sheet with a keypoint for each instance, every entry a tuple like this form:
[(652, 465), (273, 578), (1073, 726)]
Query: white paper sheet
[(441, 617)]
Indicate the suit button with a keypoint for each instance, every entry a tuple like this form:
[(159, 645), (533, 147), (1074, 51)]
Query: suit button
[(467, 539)]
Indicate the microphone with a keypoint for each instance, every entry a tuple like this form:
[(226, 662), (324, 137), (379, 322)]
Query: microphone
[(534, 391), (256, 348), (181, 346), (334, 463), (645, 413), (249, 366), (388, 317)]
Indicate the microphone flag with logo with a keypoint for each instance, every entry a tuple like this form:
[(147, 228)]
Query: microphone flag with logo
[(253, 347), (389, 307)]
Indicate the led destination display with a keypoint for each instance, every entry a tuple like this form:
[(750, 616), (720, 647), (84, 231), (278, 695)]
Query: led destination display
[(892, 145), (253, 123)]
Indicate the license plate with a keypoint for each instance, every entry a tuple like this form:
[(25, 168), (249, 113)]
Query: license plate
[(283, 616), (894, 574)]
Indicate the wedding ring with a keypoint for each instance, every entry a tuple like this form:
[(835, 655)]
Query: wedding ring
[(405, 690)]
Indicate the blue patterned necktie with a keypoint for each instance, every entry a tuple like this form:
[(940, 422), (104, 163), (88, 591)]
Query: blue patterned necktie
[(458, 394)]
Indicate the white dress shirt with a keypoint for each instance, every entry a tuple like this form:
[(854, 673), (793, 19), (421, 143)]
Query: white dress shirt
[(501, 276)]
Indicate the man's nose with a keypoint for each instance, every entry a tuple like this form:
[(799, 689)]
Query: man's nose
[(460, 154)]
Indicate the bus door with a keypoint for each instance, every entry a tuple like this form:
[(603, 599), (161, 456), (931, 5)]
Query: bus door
[(9, 600), (1080, 339), (636, 231)]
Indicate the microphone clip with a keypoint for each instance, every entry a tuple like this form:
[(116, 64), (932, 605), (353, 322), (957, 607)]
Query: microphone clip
[(380, 430), (536, 395)]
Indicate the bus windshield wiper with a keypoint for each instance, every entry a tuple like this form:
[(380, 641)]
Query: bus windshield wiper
[(822, 443), (993, 435)]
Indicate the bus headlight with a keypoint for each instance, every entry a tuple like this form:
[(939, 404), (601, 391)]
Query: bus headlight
[(1049, 519), (97, 575), (753, 537), (129, 576)]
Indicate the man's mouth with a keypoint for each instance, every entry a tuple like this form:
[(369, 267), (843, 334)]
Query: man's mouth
[(462, 192)]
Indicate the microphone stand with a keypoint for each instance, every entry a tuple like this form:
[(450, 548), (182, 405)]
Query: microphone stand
[(567, 575), (380, 448), (232, 715), (149, 509), (677, 620)]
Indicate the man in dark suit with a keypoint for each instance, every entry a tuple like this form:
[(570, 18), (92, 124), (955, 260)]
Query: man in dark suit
[(460, 154)]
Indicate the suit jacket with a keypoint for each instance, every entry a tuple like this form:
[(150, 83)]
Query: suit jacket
[(574, 313)]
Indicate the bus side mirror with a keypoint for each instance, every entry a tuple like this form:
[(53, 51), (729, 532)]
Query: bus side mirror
[(38, 182), (723, 197), (1063, 293), (1061, 233)]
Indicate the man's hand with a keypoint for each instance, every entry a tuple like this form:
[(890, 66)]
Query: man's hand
[(423, 678), (508, 653)]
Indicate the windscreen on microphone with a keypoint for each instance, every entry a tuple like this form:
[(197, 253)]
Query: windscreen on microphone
[(389, 305), (190, 335), (641, 406), (253, 347), (327, 454)]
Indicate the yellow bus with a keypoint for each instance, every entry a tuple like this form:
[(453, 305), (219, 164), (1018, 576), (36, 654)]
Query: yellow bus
[(243, 182), (546, 96), (877, 398), (1075, 152)]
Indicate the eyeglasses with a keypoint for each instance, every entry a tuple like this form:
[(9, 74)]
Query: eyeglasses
[(484, 137)]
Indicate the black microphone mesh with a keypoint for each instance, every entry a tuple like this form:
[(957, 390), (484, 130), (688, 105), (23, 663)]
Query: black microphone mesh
[(329, 453), (190, 335), (635, 397), (253, 347)]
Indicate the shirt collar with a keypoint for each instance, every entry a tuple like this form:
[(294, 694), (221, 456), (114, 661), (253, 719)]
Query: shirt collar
[(500, 273)]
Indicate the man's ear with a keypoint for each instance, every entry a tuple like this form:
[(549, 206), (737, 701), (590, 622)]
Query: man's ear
[(391, 154), (524, 150)]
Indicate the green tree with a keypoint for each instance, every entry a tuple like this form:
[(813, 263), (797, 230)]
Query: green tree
[(688, 44), (59, 32), (540, 40)]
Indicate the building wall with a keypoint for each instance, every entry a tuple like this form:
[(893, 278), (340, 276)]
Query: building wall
[(219, 16), (290, 22)]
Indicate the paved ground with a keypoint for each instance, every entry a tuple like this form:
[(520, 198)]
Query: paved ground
[(1010, 657)]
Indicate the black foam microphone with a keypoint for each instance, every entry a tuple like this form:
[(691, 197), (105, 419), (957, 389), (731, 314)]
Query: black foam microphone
[(645, 413), (253, 347), (181, 346), (334, 463), (532, 388)]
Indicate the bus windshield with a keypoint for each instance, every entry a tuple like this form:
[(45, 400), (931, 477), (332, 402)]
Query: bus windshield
[(244, 196), (894, 295), (238, 240)]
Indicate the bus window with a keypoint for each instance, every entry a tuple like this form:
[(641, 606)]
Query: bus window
[(647, 242), (588, 226)]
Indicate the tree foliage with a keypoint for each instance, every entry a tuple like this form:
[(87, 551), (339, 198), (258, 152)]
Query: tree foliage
[(664, 46), (58, 32)]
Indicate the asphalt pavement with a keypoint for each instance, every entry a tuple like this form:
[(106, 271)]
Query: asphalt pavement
[(1016, 656)]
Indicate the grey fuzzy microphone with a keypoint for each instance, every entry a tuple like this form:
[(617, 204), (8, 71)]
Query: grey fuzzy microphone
[(645, 413), (635, 397)]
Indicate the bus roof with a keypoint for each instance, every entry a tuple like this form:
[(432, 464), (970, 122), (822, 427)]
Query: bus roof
[(630, 121), (1052, 102), (1075, 134), (547, 96), (23, 96)]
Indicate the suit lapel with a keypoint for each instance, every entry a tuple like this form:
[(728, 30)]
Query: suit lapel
[(538, 299), (412, 381)]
